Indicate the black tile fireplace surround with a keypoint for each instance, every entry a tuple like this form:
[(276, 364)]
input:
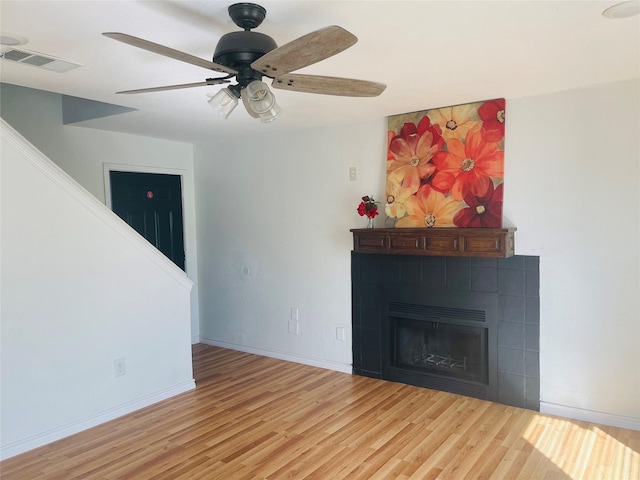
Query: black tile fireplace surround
[(462, 325)]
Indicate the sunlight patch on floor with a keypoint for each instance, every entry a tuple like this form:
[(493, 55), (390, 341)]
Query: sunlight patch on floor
[(570, 445)]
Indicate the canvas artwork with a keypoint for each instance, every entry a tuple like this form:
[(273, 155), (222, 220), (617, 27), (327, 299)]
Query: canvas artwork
[(445, 166)]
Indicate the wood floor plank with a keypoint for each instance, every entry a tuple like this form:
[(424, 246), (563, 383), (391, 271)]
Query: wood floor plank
[(253, 417)]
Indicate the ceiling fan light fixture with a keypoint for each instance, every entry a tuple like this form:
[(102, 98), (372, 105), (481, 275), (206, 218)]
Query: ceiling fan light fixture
[(262, 102), (224, 102), (627, 9), (11, 40)]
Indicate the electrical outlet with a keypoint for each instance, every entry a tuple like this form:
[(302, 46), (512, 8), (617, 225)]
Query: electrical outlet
[(293, 327), (340, 334), (294, 313), (353, 174), (119, 367)]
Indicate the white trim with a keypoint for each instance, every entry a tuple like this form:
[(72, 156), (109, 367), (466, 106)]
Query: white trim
[(313, 362), (52, 171), (591, 416), (45, 438)]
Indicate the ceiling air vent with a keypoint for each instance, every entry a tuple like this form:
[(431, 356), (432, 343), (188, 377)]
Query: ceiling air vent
[(38, 60)]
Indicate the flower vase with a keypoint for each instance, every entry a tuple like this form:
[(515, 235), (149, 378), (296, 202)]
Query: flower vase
[(369, 222)]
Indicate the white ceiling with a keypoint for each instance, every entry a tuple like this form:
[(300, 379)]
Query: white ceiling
[(429, 53)]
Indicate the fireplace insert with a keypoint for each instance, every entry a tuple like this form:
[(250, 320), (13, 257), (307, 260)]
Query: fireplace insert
[(445, 342), (447, 348)]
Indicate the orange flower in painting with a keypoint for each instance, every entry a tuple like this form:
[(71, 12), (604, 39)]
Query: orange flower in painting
[(456, 121), (413, 153), (467, 167), (429, 208)]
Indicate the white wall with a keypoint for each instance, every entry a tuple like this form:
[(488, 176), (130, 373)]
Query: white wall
[(78, 292), (83, 152), (282, 207), (572, 187)]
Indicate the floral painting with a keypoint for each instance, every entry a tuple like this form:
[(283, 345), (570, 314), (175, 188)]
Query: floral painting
[(445, 166)]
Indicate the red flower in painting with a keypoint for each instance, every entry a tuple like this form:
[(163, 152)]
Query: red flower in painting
[(412, 153), (467, 167), (425, 125), (390, 136), (492, 115), (483, 211)]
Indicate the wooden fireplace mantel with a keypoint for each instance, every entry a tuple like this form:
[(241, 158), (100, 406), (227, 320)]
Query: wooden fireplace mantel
[(451, 242)]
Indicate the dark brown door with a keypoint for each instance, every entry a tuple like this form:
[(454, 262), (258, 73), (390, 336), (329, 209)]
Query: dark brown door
[(151, 203)]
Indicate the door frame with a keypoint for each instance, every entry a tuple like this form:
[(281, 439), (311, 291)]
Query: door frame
[(188, 225)]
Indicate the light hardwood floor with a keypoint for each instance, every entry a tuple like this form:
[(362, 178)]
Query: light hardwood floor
[(252, 417)]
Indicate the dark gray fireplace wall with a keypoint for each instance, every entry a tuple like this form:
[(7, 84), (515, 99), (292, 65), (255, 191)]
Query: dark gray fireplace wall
[(514, 281)]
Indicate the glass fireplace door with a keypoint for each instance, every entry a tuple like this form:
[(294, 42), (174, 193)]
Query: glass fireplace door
[(443, 348)]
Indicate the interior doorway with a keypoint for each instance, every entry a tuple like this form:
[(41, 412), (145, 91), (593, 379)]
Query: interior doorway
[(151, 203)]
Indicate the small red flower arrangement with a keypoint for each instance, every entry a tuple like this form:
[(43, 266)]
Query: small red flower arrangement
[(368, 207)]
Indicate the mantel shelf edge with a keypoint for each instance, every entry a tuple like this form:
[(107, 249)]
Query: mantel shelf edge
[(452, 242)]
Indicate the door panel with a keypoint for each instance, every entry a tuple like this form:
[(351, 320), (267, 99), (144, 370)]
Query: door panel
[(151, 203)]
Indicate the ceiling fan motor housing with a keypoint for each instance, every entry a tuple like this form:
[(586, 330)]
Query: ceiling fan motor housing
[(239, 49)]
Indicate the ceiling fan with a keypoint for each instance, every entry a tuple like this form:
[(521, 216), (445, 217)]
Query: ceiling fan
[(248, 56)]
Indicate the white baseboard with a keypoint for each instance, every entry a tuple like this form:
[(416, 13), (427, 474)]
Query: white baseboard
[(313, 362), (39, 440), (591, 416)]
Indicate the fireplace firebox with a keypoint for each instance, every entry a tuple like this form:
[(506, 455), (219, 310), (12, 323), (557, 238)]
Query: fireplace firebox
[(439, 340), (438, 345)]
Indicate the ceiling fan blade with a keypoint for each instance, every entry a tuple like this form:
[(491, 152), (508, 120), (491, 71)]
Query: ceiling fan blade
[(168, 52), (347, 87), (304, 51), (211, 81)]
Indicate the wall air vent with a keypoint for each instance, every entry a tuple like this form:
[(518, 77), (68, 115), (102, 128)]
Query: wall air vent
[(37, 60)]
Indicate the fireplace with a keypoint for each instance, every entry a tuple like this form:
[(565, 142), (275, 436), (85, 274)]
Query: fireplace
[(462, 325)]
